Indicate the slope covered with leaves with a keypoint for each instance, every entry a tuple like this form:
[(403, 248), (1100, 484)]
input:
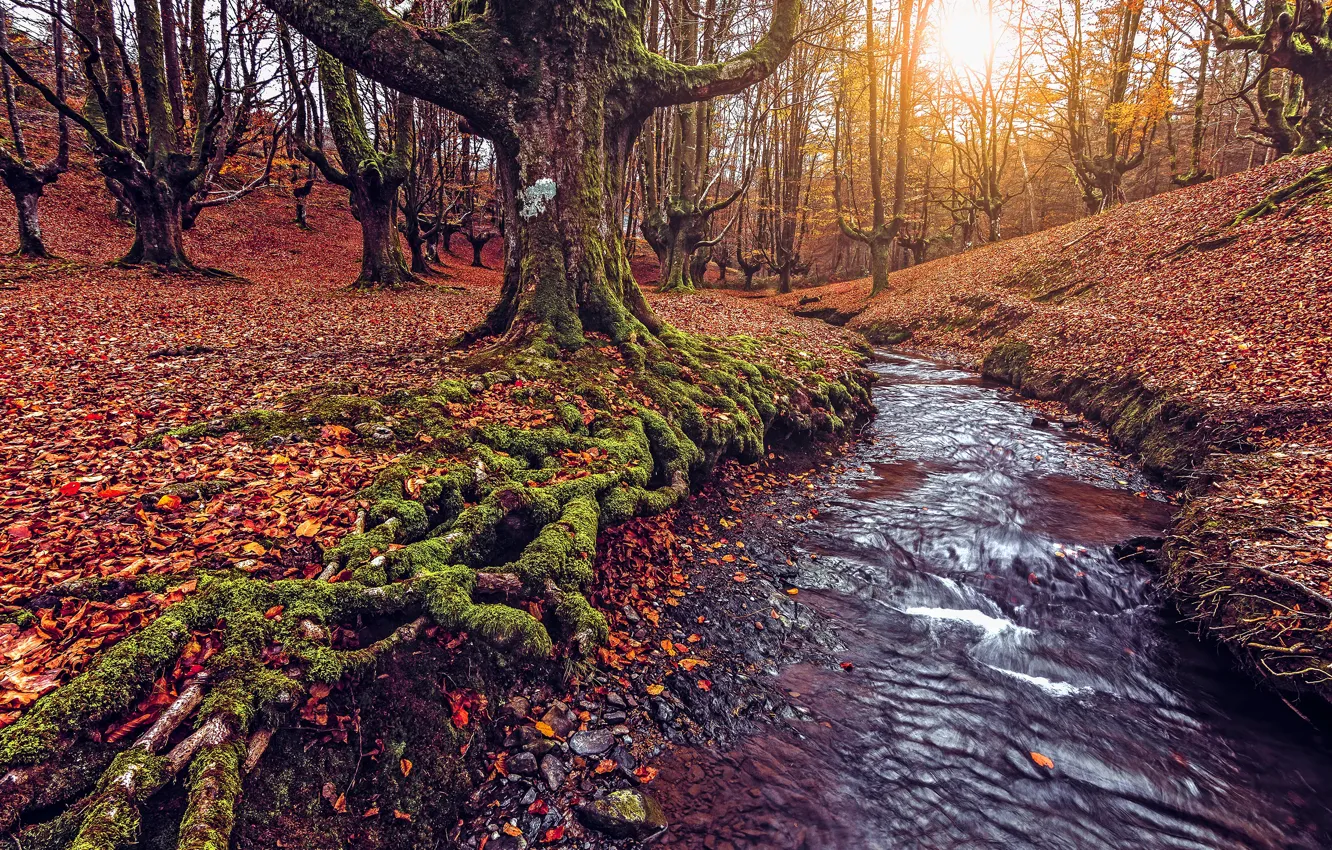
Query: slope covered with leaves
[(1200, 333)]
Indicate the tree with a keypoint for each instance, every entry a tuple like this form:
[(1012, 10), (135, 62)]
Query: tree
[(988, 98), (561, 88), (881, 233), (158, 174), (25, 179), (1295, 37), (371, 177), (677, 212)]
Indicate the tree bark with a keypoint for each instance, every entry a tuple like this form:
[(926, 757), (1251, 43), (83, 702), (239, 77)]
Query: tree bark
[(561, 88)]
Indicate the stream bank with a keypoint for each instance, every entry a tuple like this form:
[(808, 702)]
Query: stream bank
[(946, 635)]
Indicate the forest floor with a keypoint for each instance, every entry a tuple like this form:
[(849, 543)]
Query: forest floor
[(95, 359), (1204, 343)]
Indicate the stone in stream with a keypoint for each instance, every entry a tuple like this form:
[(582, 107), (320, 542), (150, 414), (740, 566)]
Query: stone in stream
[(623, 814), (554, 772), (591, 743)]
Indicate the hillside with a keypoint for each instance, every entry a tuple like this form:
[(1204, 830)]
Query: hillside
[(1204, 342)]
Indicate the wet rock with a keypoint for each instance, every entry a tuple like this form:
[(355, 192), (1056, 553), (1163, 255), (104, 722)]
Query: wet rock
[(517, 708), (522, 763), (662, 711), (540, 747), (1040, 422), (559, 718), (623, 814), (591, 743), (614, 717), (554, 772), (615, 699), (626, 762)]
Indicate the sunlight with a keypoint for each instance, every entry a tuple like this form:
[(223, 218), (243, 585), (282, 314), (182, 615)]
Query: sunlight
[(967, 34)]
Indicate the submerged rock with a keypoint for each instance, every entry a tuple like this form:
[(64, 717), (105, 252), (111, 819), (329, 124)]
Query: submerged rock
[(623, 814)]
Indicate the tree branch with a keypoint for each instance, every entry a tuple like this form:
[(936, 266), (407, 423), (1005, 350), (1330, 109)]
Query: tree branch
[(454, 66), (667, 83)]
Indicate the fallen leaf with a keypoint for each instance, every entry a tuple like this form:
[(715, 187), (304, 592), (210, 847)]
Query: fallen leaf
[(309, 528), (655, 690), (406, 766), (1042, 760)]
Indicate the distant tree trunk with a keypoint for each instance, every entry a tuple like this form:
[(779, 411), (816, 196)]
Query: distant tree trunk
[(749, 266), (478, 242), (26, 180)]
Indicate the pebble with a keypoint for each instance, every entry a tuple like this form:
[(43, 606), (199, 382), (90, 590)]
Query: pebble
[(623, 814), (559, 718), (522, 763), (554, 772), (591, 743)]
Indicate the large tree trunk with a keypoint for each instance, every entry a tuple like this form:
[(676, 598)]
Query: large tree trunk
[(561, 89), (382, 264), (158, 237), (29, 228), (565, 266)]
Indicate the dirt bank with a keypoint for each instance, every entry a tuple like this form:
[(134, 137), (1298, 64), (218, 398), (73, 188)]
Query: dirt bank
[(1195, 326)]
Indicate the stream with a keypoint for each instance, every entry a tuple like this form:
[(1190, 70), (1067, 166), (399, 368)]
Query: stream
[(965, 563)]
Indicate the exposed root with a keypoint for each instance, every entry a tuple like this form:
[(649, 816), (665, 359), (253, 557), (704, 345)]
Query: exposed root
[(490, 534)]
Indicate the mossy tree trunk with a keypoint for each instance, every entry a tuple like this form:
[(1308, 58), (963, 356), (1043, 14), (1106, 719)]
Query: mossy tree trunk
[(1294, 36), (561, 88), (372, 177)]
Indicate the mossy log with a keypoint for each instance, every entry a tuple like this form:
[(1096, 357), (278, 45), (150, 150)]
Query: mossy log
[(496, 545)]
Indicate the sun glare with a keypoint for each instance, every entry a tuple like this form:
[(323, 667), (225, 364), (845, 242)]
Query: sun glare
[(967, 34)]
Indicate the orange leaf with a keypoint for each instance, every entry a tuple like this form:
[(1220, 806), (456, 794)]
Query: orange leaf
[(704, 685), (273, 612), (1043, 761), (510, 829), (740, 577), (668, 645), (406, 765), (545, 729), (371, 812), (309, 528), (169, 502), (655, 689), (401, 815)]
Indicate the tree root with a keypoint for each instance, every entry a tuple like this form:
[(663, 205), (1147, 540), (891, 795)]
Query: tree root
[(511, 520)]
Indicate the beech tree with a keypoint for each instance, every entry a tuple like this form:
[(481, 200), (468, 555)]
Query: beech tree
[(881, 232), (1296, 37), (25, 179), (158, 171), (561, 88), (372, 177)]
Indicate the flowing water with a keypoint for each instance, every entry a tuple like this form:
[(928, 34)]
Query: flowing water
[(969, 571)]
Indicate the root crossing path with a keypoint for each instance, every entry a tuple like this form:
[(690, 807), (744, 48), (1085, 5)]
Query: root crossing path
[(1016, 681)]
